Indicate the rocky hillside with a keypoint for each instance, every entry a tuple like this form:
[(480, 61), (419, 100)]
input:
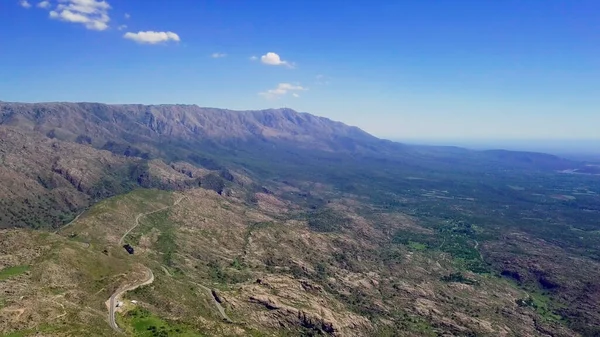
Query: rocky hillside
[(58, 158), (44, 182)]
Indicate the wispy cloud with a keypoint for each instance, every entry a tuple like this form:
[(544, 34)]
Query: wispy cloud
[(253, 58), (127, 16), (43, 4), (283, 89), (218, 55), (24, 4), (122, 27), (322, 79), (151, 37), (93, 14), (274, 59)]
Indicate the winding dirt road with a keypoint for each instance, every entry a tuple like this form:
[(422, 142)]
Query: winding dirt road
[(112, 301), (217, 304), (139, 216), (209, 291), (70, 223)]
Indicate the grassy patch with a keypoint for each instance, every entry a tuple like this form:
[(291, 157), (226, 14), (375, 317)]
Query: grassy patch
[(9, 272), (141, 322), (167, 246), (30, 332), (417, 245), (140, 199), (541, 304)]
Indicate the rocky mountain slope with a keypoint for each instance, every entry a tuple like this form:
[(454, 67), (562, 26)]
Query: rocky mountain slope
[(44, 181)]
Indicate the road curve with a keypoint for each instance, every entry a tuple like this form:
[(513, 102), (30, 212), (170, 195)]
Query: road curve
[(69, 224), (137, 218), (112, 302), (217, 304)]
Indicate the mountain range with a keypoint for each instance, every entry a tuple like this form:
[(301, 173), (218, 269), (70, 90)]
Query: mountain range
[(58, 150)]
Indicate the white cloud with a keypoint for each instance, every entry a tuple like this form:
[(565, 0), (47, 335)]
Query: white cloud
[(127, 16), (273, 59), (122, 27), (152, 37), (93, 14), (24, 4), (44, 4), (282, 89), (253, 58), (218, 55)]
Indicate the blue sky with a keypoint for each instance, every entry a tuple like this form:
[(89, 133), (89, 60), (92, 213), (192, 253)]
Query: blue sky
[(398, 69)]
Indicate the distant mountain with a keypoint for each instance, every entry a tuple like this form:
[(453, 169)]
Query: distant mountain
[(179, 131), (76, 153), (98, 124)]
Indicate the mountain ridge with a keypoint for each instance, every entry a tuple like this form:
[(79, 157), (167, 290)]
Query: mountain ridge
[(142, 127), (193, 117)]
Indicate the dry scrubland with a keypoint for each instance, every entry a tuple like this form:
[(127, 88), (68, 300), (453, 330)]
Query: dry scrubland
[(272, 273)]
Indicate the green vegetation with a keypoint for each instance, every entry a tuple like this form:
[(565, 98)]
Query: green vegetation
[(460, 278), (142, 200), (12, 271), (167, 246), (541, 304), (413, 325), (235, 273), (237, 264), (44, 328), (405, 237), (326, 220), (213, 182), (417, 246), (142, 323), (454, 237)]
